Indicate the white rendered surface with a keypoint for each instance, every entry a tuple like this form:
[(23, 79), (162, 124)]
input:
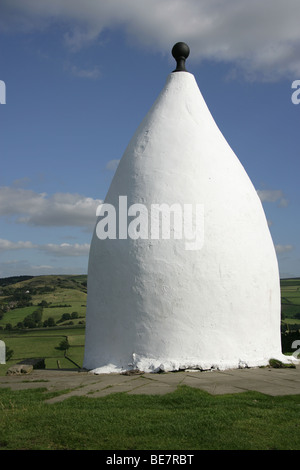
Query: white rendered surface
[(154, 305)]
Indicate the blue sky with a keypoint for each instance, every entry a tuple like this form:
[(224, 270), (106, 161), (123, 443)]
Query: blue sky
[(81, 75)]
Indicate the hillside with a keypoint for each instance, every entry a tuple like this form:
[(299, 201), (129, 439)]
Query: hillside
[(7, 281), (40, 314), (54, 297), (290, 299)]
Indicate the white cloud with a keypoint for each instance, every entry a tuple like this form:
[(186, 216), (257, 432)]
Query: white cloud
[(21, 182), (262, 38), (24, 267), (66, 249), (63, 249), (283, 248), (273, 195), (112, 165), (7, 245), (91, 73), (38, 209)]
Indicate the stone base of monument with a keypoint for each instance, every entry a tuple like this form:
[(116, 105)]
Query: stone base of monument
[(141, 365)]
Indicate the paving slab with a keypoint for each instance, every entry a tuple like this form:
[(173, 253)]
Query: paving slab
[(264, 380), (72, 383), (153, 388)]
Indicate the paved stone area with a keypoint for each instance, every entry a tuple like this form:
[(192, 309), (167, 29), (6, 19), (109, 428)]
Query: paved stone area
[(81, 383)]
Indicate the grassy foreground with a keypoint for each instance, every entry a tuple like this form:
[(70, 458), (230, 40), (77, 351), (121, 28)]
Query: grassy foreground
[(187, 419)]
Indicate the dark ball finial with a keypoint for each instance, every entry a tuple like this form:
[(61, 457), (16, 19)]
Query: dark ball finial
[(180, 52)]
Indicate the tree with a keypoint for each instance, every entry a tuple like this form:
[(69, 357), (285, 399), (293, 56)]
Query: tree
[(8, 353), (36, 316), (64, 345), (49, 322), (66, 316), (29, 322)]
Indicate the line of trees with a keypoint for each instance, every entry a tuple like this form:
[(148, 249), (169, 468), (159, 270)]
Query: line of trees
[(35, 320)]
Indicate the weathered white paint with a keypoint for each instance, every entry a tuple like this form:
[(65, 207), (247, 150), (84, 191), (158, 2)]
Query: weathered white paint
[(154, 305)]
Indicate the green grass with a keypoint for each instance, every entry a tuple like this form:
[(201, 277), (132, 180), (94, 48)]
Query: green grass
[(187, 419)]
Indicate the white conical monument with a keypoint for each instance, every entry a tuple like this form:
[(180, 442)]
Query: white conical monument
[(167, 302)]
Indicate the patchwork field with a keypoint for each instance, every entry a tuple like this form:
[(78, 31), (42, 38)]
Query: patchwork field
[(60, 304), (290, 300)]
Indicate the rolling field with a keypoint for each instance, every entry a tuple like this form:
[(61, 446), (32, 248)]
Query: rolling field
[(59, 295), (290, 300)]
